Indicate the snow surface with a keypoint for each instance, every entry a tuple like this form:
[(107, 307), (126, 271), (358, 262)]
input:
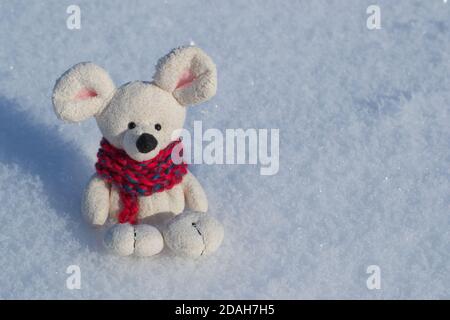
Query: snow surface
[(364, 119)]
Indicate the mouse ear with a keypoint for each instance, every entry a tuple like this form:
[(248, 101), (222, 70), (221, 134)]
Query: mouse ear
[(189, 74), (82, 92)]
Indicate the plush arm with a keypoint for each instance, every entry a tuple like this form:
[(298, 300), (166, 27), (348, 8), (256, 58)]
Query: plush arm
[(194, 194), (96, 201)]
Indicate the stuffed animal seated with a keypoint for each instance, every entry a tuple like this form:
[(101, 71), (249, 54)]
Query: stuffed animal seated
[(137, 176)]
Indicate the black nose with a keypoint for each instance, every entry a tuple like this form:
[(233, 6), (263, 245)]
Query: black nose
[(146, 143)]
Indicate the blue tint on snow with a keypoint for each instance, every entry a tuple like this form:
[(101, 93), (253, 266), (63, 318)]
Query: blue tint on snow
[(364, 119)]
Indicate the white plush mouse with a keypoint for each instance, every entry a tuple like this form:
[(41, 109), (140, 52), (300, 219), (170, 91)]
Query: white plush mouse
[(137, 176)]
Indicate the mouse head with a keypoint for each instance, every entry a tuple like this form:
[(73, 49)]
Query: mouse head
[(138, 117)]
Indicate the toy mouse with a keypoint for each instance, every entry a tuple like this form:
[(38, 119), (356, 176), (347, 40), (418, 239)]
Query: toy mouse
[(136, 174)]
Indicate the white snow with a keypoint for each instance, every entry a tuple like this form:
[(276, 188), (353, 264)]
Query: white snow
[(364, 119)]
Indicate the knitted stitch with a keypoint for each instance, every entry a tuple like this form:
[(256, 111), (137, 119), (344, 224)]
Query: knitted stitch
[(134, 178)]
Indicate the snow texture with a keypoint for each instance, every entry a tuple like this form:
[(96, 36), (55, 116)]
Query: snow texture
[(364, 119)]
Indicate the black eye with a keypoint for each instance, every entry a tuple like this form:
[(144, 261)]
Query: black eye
[(131, 125), (158, 126)]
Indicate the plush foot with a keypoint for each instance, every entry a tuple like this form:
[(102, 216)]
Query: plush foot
[(148, 241), (141, 240), (193, 234)]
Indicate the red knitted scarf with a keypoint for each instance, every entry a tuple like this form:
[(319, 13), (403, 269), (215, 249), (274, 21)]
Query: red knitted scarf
[(134, 178)]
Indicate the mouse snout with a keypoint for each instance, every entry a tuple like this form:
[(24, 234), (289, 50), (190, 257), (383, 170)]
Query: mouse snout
[(146, 143)]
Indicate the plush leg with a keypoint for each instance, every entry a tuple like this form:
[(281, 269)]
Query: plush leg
[(193, 234), (119, 239), (148, 241), (126, 239)]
